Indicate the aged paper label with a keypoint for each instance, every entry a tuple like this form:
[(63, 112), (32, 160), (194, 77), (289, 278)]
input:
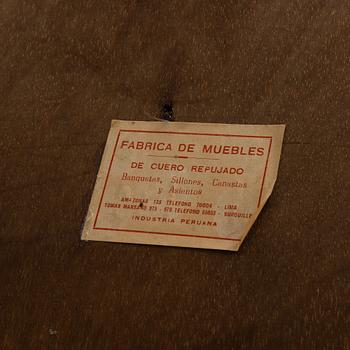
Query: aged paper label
[(183, 184)]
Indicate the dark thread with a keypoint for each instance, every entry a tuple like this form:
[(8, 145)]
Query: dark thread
[(167, 112)]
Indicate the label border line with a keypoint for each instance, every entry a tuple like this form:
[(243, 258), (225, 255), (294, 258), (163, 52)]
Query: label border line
[(175, 133)]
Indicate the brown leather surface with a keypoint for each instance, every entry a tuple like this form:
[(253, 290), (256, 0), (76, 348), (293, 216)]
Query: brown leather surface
[(69, 67)]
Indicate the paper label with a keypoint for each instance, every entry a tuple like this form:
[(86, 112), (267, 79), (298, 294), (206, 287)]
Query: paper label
[(183, 184)]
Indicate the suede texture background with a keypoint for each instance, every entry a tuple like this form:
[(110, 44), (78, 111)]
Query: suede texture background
[(68, 68)]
